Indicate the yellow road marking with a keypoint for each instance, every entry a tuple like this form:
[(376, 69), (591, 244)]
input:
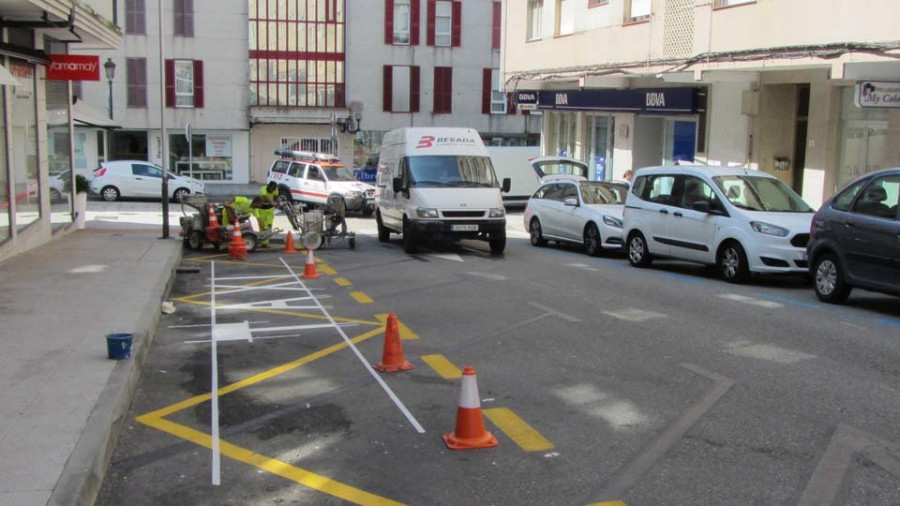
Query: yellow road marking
[(361, 298), (442, 366), (343, 282), (326, 269), (518, 430), (406, 334), (287, 313), (208, 257), (296, 474), (609, 503)]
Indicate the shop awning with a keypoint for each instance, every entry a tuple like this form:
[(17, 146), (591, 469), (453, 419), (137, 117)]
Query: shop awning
[(85, 115)]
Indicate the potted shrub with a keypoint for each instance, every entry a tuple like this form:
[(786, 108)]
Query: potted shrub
[(82, 187)]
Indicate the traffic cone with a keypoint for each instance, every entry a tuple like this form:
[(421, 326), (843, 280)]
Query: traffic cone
[(469, 433), (289, 248), (237, 249), (212, 230), (392, 359), (309, 270)]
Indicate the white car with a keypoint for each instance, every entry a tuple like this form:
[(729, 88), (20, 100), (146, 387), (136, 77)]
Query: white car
[(312, 177), (57, 187), (571, 209), (133, 178), (738, 219)]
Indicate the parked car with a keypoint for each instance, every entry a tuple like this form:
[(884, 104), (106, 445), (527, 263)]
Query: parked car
[(738, 219), (57, 187), (310, 177), (569, 208), (133, 178), (855, 238)]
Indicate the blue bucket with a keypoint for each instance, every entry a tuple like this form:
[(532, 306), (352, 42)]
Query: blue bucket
[(118, 346)]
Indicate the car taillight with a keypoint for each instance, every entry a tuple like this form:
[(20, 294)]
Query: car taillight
[(98, 172), (812, 225)]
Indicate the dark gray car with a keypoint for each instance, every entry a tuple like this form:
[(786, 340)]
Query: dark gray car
[(855, 238)]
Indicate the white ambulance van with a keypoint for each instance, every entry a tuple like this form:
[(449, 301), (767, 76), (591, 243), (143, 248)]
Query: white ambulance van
[(438, 184)]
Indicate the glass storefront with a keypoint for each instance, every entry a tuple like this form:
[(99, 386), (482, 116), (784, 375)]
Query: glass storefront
[(599, 146), (864, 139), (26, 189), (208, 158)]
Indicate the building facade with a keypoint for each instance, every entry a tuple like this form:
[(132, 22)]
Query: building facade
[(804, 89), (36, 123)]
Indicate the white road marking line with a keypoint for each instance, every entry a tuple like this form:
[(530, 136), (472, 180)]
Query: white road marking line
[(205, 325), (634, 315), (620, 414), (768, 352), (488, 275), (556, 313), (585, 267), (444, 256), (753, 301), (214, 389)]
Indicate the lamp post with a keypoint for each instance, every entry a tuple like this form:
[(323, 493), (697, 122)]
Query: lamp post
[(110, 69)]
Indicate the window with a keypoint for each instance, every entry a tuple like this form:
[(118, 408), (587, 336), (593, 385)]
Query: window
[(443, 90), (401, 22), (184, 17), (443, 22), (314, 144), (842, 202), (565, 17), (729, 3), (655, 189), (880, 198), (696, 190), (637, 11), (135, 17), (145, 170), (136, 77), (281, 166), (184, 83), (495, 25), (493, 100), (401, 88), (535, 19), (313, 172)]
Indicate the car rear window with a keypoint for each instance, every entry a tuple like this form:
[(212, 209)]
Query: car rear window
[(280, 166), (842, 202)]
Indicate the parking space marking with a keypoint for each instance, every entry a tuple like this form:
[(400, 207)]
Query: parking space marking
[(768, 352), (769, 304), (518, 430), (786, 300), (361, 297), (343, 282), (488, 275), (556, 313), (406, 334), (442, 366), (585, 267), (634, 315)]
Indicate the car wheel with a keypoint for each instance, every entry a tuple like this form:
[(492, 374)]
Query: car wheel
[(733, 263), (251, 241), (180, 194), (409, 242), (592, 241), (638, 254), (537, 236), (498, 243), (285, 194), (195, 240), (110, 193), (55, 196), (829, 279), (384, 234)]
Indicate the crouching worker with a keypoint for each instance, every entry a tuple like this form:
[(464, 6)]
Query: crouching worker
[(265, 214), (240, 207)]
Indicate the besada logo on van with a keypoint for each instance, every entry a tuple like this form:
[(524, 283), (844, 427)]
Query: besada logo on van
[(430, 141)]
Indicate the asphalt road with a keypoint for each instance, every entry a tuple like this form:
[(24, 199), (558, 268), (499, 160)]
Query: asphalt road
[(601, 382)]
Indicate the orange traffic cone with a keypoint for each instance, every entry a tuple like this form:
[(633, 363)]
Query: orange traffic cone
[(469, 433), (212, 230), (237, 250), (289, 248), (392, 359), (309, 270)]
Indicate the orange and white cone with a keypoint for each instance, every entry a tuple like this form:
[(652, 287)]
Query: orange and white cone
[(392, 358), (469, 433), (309, 270), (289, 248), (212, 230), (237, 249)]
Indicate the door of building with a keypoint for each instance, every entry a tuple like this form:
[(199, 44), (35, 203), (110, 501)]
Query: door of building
[(599, 147), (680, 141), (863, 146)]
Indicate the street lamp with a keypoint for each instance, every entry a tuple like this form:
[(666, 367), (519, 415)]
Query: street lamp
[(110, 69)]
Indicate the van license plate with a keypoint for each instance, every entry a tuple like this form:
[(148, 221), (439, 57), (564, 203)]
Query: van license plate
[(464, 228)]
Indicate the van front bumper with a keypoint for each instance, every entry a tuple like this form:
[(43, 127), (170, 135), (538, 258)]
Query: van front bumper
[(462, 229)]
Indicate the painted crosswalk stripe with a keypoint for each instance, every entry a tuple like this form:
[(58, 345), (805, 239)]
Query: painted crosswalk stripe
[(361, 297), (753, 301), (343, 282), (518, 430), (442, 366)]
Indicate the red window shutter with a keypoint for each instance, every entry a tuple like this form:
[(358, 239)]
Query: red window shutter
[(388, 21), (486, 91), (387, 89), (443, 90), (414, 84), (432, 11), (414, 22), (495, 38), (198, 84), (456, 33), (170, 83)]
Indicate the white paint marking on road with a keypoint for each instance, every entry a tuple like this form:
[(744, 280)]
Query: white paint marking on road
[(556, 313), (488, 275), (852, 326), (768, 352), (634, 315), (214, 389), (753, 301), (621, 415), (232, 332), (585, 267), (444, 256), (205, 325)]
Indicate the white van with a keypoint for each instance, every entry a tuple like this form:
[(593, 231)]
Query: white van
[(438, 184)]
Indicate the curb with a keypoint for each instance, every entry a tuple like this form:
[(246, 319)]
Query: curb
[(82, 476)]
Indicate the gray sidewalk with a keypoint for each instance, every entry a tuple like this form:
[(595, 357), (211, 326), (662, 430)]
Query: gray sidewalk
[(60, 397)]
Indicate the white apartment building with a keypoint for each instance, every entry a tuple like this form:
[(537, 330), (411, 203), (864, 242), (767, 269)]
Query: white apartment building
[(202, 85), (804, 89), (373, 66), (34, 110)]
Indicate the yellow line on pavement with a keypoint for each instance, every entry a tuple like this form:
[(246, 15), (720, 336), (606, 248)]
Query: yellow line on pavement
[(343, 282), (208, 257), (288, 313), (406, 334), (608, 503), (361, 297), (315, 481), (518, 430), (442, 366), (326, 269)]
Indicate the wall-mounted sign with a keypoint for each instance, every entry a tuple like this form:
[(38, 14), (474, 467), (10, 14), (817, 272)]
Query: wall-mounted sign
[(526, 100), (218, 145), (73, 67), (642, 100), (877, 94)]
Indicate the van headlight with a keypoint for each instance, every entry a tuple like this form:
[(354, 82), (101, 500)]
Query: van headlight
[(353, 194), (497, 212), (426, 212), (612, 222), (769, 229)]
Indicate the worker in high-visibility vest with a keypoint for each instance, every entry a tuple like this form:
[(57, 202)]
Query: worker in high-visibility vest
[(265, 214), (239, 207)]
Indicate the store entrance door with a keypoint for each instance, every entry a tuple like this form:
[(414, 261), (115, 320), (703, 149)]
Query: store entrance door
[(863, 146), (680, 142)]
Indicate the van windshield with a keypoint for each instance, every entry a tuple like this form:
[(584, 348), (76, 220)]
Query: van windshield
[(338, 173), (451, 171), (761, 194)]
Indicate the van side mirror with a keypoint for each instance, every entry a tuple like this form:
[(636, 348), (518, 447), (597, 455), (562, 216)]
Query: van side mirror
[(701, 206), (507, 184), (398, 184)]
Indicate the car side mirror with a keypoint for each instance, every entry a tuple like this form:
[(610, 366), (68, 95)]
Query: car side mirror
[(398, 184), (507, 184), (701, 206), (571, 201)]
